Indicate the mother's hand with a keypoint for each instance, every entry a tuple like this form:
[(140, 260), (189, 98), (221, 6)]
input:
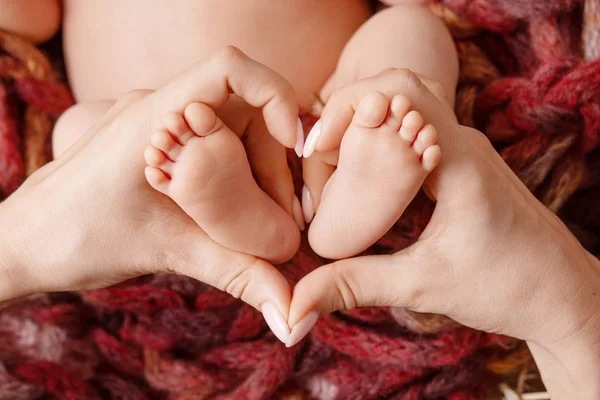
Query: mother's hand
[(492, 257), (89, 219)]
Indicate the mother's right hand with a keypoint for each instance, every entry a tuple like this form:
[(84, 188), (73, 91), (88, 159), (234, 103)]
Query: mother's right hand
[(90, 220), (492, 257)]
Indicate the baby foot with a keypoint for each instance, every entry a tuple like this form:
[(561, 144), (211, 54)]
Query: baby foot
[(385, 156), (200, 164)]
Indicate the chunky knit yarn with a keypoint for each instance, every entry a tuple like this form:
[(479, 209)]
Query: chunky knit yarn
[(529, 80)]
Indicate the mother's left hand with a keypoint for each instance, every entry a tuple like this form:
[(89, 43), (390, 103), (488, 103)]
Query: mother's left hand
[(89, 219)]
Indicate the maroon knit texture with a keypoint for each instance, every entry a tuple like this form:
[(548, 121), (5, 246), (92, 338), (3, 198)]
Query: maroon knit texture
[(529, 80)]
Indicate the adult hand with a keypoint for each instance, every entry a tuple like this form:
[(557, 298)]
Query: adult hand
[(89, 219), (492, 257)]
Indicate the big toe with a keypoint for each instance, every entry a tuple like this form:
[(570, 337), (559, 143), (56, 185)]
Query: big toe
[(372, 110), (201, 119)]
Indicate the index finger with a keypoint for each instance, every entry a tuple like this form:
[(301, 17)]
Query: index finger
[(340, 108), (457, 148), (230, 71)]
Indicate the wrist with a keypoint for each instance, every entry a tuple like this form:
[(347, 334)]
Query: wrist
[(570, 366), (570, 370)]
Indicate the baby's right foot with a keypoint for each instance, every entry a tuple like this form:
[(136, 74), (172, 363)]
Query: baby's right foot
[(385, 156), (200, 164)]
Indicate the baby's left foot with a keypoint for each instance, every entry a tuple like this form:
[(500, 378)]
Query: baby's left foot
[(385, 156)]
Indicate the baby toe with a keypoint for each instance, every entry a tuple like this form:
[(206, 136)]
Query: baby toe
[(411, 124), (162, 140), (372, 110), (201, 119), (399, 107), (431, 158), (425, 138), (176, 125), (157, 159), (157, 179)]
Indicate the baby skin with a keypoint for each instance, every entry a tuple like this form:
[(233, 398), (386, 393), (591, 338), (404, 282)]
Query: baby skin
[(196, 160), (385, 155), (243, 196)]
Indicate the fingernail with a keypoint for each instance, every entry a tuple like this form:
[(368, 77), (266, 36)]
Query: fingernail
[(299, 138), (311, 139), (276, 321), (297, 208), (302, 328), (307, 205)]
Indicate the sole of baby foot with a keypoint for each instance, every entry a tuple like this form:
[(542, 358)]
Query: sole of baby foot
[(385, 155), (202, 166)]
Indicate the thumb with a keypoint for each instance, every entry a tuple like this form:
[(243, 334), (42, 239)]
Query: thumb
[(398, 280), (254, 281)]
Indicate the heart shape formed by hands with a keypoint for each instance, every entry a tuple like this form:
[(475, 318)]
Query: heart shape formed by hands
[(488, 245)]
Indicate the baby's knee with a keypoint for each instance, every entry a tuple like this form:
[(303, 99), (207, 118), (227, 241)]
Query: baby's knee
[(74, 122)]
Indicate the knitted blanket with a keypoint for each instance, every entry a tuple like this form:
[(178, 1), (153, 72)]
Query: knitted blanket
[(529, 79)]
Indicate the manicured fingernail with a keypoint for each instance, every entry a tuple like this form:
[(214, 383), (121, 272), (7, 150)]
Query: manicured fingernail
[(311, 139), (299, 138), (276, 321), (297, 208), (302, 328), (307, 205)]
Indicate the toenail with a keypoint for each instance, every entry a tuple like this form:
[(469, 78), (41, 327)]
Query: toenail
[(311, 139)]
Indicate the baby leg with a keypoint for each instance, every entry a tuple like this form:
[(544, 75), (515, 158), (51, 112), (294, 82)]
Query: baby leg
[(76, 121), (406, 36), (398, 37)]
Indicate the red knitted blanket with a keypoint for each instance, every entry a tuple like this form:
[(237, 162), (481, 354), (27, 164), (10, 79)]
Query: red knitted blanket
[(529, 80)]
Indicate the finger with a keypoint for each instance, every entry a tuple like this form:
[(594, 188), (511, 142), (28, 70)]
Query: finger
[(248, 278), (237, 115), (231, 71), (457, 162), (341, 106), (268, 161), (339, 110), (316, 172), (400, 280)]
